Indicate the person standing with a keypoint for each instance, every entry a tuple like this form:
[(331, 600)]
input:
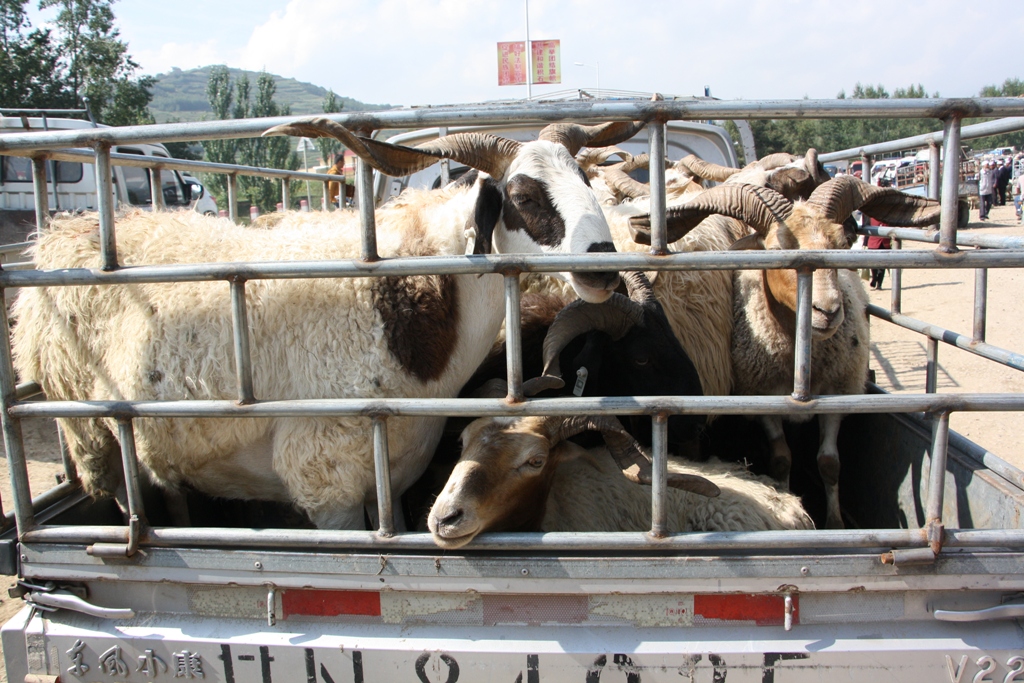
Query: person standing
[(876, 242), (986, 186), (1003, 174), (1018, 195)]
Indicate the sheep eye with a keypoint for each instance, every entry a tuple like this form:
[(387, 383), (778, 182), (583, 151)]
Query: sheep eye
[(641, 361), (536, 462), (520, 199)]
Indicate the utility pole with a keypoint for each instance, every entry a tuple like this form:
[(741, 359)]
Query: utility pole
[(529, 55)]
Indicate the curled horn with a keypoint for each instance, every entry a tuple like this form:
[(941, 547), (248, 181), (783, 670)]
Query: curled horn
[(773, 161), (815, 168), (486, 153), (574, 136), (618, 177), (590, 157), (626, 452), (841, 196), (705, 170), (759, 207), (616, 316)]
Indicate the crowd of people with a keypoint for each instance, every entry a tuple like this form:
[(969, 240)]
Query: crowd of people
[(996, 180)]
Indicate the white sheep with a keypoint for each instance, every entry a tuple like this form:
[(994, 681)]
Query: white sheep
[(764, 317), (414, 336), (520, 474)]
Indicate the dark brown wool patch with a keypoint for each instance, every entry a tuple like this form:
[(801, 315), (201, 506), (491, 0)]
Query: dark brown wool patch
[(421, 317), (528, 207)]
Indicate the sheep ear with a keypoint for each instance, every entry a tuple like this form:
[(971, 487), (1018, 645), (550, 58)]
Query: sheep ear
[(751, 242), (486, 215), (791, 183)]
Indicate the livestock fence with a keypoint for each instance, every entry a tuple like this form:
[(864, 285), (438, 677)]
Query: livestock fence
[(910, 544)]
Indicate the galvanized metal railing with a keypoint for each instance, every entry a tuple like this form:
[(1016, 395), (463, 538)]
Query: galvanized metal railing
[(121, 540)]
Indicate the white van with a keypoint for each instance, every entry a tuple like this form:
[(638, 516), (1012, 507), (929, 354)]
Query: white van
[(75, 186)]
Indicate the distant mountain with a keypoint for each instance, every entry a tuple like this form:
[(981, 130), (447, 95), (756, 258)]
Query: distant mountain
[(181, 95)]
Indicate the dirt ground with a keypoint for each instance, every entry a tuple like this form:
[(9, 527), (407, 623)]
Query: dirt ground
[(942, 297)]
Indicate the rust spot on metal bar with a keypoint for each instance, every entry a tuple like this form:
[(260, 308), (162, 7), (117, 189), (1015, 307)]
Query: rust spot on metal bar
[(960, 108)]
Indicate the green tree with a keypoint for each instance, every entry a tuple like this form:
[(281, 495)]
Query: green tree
[(233, 101), (98, 68), (329, 146), (1011, 87)]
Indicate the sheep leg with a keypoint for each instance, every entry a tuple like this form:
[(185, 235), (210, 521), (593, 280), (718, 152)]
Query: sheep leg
[(828, 468), (781, 458), (177, 507)]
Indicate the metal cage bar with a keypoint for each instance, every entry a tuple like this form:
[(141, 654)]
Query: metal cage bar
[(513, 338), (931, 380), (233, 198), (485, 407), (156, 192), (934, 170), (286, 194), (659, 202), (994, 353), (950, 185), (105, 206), (697, 542), (130, 461), (327, 204), (501, 263), (42, 204), (802, 341), (980, 303), (240, 333), (364, 196), (937, 477), (17, 468), (659, 476), (532, 112), (657, 407), (896, 300), (382, 471)]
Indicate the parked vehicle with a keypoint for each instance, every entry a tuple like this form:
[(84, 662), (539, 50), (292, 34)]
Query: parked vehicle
[(72, 185), (250, 593)]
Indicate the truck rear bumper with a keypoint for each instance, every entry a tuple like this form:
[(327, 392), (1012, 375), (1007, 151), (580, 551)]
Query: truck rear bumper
[(154, 648)]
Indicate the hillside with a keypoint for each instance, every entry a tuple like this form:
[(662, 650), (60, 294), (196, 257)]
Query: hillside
[(181, 95)]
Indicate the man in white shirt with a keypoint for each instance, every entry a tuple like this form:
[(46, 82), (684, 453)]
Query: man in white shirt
[(986, 187)]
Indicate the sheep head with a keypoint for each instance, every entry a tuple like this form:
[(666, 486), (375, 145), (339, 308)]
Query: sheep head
[(629, 350), (502, 480), (533, 198), (818, 223)]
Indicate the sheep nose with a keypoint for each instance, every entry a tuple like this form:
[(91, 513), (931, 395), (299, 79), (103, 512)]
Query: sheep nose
[(606, 281), (829, 316), (452, 518)]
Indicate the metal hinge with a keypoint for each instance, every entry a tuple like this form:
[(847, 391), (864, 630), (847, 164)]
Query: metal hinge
[(1009, 611), (49, 597)]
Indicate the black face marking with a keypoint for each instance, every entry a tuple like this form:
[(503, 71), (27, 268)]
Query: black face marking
[(528, 207), (486, 215), (600, 247), (420, 316)]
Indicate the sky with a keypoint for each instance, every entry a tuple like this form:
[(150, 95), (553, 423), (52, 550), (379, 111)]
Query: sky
[(412, 52)]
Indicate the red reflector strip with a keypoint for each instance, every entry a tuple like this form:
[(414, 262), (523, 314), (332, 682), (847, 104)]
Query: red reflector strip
[(763, 610), (313, 603)]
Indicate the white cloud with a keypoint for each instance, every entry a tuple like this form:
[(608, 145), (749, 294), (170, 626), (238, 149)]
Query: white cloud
[(438, 51)]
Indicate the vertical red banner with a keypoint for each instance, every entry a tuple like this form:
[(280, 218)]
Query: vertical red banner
[(512, 63), (547, 61)]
